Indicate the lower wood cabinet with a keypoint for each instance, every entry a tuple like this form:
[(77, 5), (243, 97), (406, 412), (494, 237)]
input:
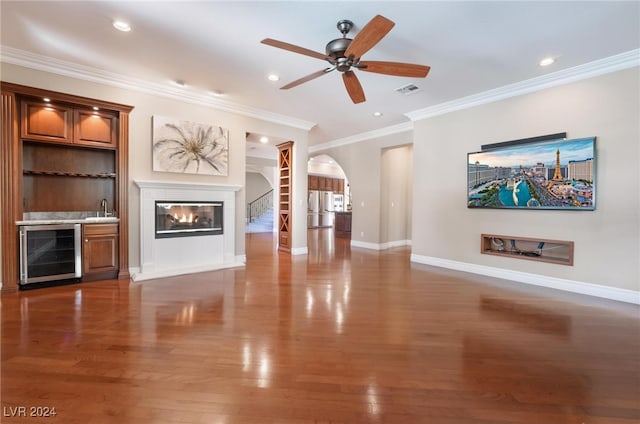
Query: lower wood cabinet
[(99, 251), (343, 224)]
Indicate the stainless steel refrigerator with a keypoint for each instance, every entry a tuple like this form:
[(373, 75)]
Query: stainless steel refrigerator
[(326, 209), (313, 209)]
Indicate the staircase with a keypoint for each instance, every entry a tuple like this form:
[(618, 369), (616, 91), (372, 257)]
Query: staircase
[(262, 224)]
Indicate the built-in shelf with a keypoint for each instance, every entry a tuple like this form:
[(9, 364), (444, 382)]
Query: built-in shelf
[(285, 161), (69, 174), (532, 249)]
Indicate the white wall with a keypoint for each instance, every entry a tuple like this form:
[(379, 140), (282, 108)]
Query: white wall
[(396, 191), (256, 186), (362, 165), (607, 246), (147, 105)]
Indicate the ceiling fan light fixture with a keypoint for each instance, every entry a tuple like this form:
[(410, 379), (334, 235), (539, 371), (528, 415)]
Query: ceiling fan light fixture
[(264, 140)]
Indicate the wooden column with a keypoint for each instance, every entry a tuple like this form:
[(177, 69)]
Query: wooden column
[(123, 195), (11, 182)]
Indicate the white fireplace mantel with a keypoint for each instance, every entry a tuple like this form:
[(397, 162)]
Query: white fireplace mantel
[(166, 257), (150, 185)]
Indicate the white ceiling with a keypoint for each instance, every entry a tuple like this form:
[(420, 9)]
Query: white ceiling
[(472, 47)]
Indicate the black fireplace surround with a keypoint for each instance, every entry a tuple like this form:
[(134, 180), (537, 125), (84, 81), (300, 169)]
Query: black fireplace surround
[(187, 218)]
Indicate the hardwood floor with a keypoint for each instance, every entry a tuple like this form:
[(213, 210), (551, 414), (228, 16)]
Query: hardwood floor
[(342, 335)]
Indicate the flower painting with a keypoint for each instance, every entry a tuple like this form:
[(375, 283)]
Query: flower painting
[(189, 147)]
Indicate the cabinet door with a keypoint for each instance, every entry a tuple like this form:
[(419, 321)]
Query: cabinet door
[(94, 128), (46, 122), (336, 185), (313, 182), (100, 251)]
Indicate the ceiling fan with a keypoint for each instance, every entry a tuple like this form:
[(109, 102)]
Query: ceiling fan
[(345, 53)]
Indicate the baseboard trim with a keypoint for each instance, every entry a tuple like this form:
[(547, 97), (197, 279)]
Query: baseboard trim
[(612, 293), (380, 246), (139, 276), (299, 250)]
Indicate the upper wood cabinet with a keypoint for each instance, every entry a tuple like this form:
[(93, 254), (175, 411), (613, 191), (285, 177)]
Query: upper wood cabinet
[(338, 185), (316, 182), (46, 122), (95, 128), (313, 182), (64, 124)]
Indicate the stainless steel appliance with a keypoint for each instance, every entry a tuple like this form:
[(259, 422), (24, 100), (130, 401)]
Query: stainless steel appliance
[(326, 209), (50, 253), (338, 203), (313, 209)]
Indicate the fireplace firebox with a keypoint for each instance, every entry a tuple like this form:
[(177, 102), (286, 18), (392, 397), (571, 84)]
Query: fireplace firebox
[(185, 219)]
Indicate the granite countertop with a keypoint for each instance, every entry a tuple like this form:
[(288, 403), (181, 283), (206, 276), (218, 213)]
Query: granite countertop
[(83, 217)]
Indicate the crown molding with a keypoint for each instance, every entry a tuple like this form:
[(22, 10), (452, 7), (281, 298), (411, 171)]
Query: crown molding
[(55, 66), (588, 70), (393, 129), (607, 65)]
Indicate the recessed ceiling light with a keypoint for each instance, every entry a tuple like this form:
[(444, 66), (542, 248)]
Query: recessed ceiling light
[(547, 61), (273, 77), (121, 26), (264, 139), (377, 114)]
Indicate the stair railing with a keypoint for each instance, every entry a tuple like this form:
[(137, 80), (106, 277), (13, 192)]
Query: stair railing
[(259, 206)]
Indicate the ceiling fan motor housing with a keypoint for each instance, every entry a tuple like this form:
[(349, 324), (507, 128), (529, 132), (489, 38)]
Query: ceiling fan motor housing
[(336, 48)]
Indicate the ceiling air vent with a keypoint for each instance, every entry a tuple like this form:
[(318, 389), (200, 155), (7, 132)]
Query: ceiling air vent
[(408, 89)]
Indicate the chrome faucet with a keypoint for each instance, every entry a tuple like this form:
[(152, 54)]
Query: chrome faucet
[(103, 206)]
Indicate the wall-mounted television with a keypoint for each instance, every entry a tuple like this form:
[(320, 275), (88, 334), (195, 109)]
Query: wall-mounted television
[(547, 174)]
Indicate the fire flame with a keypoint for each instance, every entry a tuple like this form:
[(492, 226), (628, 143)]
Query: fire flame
[(184, 218)]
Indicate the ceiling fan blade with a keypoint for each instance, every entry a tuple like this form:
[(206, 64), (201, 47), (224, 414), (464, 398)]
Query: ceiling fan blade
[(353, 87), (369, 36), (307, 78), (394, 68), (293, 48)]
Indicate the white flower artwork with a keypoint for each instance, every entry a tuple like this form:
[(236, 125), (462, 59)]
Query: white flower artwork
[(189, 147)]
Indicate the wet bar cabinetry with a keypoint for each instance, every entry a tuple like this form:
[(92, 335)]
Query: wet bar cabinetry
[(65, 154), (59, 123), (99, 251), (58, 177)]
